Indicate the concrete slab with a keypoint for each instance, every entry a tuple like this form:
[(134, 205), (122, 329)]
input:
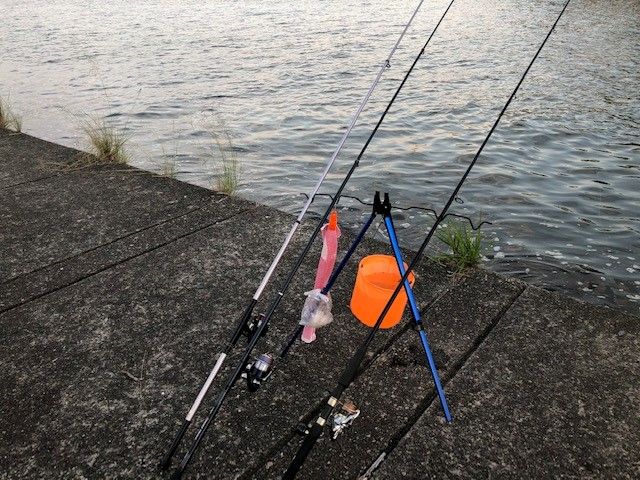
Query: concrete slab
[(57, 217), (97, 375), (24, 158), (65, 272), (554, 392), (71, 359), (397, 389)]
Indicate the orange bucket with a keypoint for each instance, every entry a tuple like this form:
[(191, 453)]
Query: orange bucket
[(377, 278)]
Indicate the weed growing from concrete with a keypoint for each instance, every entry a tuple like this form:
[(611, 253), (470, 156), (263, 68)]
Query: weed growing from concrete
[(224, 152), (169, 169), (464, 243), (170, 164), (8, 118), (106, 143)]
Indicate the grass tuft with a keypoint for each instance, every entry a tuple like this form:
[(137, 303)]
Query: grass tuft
[(228, 179), (464, 243), (169, 169), (8, 119), (106, 143)]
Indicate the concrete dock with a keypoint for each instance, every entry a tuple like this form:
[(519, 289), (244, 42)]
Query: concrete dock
[(118, 287)]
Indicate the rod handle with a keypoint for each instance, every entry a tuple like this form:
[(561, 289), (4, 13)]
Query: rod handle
[(303, 452), (242, 322), (295, 334), (166, 460)]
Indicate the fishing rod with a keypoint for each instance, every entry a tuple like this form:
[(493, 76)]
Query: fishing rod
[(245, 325), (255, 328), (350, 372)]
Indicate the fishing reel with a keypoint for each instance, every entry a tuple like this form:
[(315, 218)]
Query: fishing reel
[(340, 420), (252, 325), (344, 418), (258, 371)]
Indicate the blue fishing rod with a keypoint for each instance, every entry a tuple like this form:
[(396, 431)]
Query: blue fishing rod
[(350, 372), (384, 208)]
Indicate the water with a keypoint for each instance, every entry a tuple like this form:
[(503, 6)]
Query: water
[(559, 180)]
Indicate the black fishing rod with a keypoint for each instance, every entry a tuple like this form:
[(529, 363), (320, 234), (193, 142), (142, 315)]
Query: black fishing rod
[(255, 328), (350, 372), (246, 324), (384, 208)]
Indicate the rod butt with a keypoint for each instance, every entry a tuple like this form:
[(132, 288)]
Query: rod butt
[(166, 460)]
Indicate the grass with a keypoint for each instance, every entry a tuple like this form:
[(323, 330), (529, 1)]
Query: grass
[(464, 243), (106, 143), (228, 179), (8, 119), (170, 165), (169, 169)]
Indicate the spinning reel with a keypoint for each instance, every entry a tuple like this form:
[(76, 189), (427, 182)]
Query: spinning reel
[(261, 368), (252, 325), (340, 420), (258, 371), (344, 418)]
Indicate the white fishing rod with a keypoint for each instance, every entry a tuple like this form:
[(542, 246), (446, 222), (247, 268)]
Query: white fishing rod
[(244, 321), (316, 189)]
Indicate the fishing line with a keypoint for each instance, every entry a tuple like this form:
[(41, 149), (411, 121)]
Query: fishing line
[(349, 373), (413, 207)]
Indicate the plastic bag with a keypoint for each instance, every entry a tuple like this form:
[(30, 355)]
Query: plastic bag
[(316, 311)]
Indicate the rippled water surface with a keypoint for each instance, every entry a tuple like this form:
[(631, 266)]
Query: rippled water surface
[(560, 179)]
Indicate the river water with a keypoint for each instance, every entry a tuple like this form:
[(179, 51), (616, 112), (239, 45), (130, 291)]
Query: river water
[(559, 180)]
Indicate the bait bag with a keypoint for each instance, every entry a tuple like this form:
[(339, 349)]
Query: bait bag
[(316, 311)]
